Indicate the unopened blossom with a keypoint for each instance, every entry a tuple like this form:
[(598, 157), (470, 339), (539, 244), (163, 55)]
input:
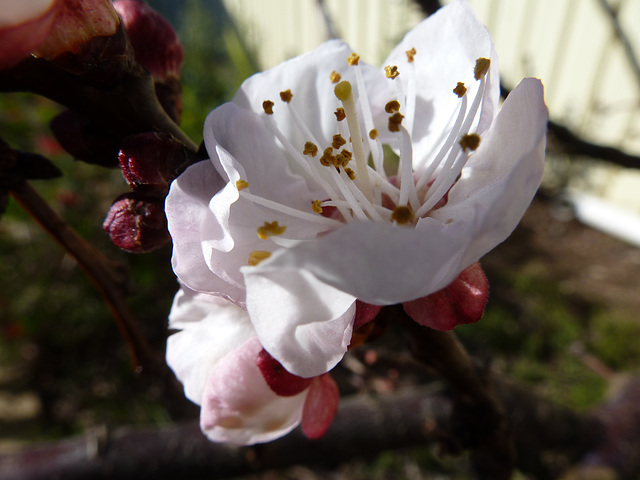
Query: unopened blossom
[(49, 28), (245, 395), (313, 215), (23, 26)]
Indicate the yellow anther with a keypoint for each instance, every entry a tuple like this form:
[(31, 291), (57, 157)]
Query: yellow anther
[(470, 141), (402, 215), (339, 113), (391, 71), (316, 206), (338, 141), (257, 256), (310, 148), (373, 134), (395, 121), (350, 173), (267, 105), (343, 90), (344, 157), (328, 158), (286, 95), (392, 106), (410, 54), (460, 89), (242, 184), (353, 59), (334, 77), (270, 229), (481, 68)]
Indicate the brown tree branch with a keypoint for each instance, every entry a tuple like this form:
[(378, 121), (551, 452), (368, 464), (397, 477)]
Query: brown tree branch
[(364, 426), (106, 276), (479, 421)]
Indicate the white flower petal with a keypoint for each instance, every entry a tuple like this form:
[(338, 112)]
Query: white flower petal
[(302, 322), (377, 263), (188, 216), (448, 43)]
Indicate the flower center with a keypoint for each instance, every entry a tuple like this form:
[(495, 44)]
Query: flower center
[(351, 173)]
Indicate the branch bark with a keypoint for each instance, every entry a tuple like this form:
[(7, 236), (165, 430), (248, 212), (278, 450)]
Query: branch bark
[(364, 426)]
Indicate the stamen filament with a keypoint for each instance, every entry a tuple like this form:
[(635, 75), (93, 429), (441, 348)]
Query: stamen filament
[(451, 139), (374, 144), (405, 171), (348, 195), (293, 212), (311, 168), (366, 205), (455, 162), (410, 98)]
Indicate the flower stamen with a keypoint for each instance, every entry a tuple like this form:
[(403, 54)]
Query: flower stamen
[(269, 229), (258, 256)]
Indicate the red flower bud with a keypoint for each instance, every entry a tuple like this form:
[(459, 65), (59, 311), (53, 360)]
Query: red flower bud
[(150, 161), (137, 223), (155, 42), (281, 381), (461, 302), (23, 26)]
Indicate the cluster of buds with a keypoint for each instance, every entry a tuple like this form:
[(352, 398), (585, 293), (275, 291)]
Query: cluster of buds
[(101, 43), (149, 162)]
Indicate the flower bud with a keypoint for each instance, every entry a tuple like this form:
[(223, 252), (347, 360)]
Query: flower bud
[(77, 22), (155, 42), (150, 161), (23, 26), (136, 223)]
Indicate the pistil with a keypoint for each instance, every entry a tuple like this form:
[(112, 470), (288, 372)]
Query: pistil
[(344, 93)]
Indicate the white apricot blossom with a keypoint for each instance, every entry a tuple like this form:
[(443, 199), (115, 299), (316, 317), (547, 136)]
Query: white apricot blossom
[(343, 181)]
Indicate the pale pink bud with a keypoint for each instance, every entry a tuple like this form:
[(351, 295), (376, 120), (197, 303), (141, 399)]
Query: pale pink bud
[(77, 22), (155, 42), (23, 26)]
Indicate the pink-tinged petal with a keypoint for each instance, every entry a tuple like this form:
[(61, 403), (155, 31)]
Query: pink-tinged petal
[(320, 407), (23, 26), (210, 328), (239, 407), (447, 45), (188, 216), (461, 302), (303, 323), (279, 380), (502, 176)]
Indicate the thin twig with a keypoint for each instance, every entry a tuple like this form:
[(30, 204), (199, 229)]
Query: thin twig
[(104, 274), (623, 37)]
